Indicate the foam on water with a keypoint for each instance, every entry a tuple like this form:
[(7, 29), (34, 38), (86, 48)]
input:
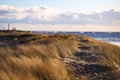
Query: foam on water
[(115, 43)]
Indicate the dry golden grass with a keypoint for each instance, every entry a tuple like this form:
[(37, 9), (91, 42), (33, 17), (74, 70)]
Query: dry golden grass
[(25, 66), (103, 53), (38, 57), (36, 62), (111, 54)]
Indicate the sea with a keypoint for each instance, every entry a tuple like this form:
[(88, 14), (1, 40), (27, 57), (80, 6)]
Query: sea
[(110, 37)]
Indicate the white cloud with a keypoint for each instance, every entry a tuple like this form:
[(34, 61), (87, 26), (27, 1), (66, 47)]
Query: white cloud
[(6, 7), (50, 16), (10, 12), (41, 13), (48, 27)]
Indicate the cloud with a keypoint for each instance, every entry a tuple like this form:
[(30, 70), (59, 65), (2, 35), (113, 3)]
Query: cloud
[(47, 15), (33, 13), (61, 27)]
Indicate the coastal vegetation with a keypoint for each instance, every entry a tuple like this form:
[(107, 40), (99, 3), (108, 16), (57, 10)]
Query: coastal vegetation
[(28, 56)]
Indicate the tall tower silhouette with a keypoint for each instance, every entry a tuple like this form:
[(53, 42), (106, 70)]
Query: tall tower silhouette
[(8, 26)]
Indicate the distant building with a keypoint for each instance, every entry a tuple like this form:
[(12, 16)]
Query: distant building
[(14, 29)]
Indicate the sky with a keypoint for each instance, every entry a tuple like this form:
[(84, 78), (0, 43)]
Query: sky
[(61, 15)]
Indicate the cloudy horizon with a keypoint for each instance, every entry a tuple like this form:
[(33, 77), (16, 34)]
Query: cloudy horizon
[(46, 18)]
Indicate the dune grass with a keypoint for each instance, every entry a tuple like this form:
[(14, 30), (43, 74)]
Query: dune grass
[(102, 53), (39, 56), (111, 54), (36, 62)]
